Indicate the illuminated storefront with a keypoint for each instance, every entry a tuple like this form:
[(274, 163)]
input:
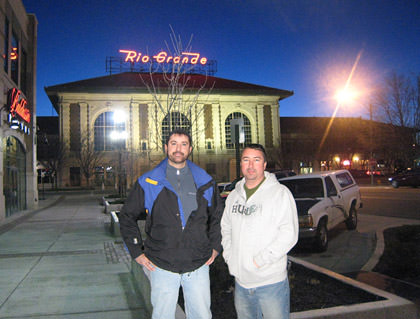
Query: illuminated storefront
[(17, 158)]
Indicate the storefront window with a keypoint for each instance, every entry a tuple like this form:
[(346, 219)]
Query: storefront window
[(14, 178), (247, 129)]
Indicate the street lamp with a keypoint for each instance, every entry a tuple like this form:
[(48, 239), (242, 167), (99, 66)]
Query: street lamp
[(119, 136)]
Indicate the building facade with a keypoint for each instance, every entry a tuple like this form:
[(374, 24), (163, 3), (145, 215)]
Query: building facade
[(140, 109), (18, 44), (310, 144)]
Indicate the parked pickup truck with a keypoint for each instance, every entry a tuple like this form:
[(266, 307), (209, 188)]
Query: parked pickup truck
[(323, 201)]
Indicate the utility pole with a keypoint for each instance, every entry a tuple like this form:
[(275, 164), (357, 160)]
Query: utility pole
[(371, 166)]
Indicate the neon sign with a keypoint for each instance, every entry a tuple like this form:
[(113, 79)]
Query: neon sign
[(163, 57), (18, 107)]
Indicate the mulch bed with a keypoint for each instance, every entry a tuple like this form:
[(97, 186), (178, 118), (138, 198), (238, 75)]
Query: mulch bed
[(309, 290)]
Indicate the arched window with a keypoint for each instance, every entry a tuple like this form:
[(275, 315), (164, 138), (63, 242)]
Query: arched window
[(247, 129), (172, 121), (106, 128)]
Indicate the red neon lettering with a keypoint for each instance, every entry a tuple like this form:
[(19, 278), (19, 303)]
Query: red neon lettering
[(14, 99), (19, 107), (162, 57), (130, 55), (23, 111), (193, 60)]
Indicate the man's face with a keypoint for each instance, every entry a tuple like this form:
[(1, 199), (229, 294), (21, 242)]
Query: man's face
[(178, 150), (253, 165)]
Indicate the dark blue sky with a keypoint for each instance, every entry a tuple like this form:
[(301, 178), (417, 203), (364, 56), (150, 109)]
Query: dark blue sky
[(306, 46)]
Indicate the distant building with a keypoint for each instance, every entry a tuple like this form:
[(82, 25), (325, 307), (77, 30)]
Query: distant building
[(321, 143), (86, 111), (47, 149), (18, 45)]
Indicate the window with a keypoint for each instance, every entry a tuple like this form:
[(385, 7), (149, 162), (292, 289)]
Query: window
[(6, 46), (14, 58), (331, 190), (172, 121), (209, 144), (104, 127), (247, 129), (23, 72), (344, 180)]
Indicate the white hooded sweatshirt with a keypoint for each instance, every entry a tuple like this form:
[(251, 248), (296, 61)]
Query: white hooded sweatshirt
[(258, 233)]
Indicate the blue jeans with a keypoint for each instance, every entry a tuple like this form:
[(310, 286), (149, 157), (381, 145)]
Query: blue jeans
[(270, 302), (196, 289)]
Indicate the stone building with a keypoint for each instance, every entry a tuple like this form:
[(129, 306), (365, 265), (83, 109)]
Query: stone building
[(93, 111), (18, 45)]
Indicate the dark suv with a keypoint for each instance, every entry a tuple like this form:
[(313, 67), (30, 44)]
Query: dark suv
[(408, 178)]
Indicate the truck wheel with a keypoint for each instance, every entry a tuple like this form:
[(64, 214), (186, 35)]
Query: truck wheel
[(395, 184), (351, 222), (321, 239)]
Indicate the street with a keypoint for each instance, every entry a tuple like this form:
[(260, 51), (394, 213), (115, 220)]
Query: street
[(403, 202), (349, 251)]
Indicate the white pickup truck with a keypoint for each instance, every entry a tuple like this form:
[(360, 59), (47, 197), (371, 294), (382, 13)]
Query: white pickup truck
[(324, 200)]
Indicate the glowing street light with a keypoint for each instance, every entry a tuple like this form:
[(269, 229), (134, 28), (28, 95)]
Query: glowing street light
[(346, 95)]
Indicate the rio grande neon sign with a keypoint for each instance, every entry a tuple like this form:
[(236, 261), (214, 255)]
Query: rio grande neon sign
[(163, 57)]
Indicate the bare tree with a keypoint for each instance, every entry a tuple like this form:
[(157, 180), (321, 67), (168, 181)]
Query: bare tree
[(88, 159), (398, 104), (396, 101), (52, 154), (176, 94)]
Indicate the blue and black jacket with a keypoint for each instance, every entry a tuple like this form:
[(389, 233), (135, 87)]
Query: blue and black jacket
[(172, 243)]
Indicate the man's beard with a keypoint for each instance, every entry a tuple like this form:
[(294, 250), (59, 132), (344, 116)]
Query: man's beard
[(178, 159)]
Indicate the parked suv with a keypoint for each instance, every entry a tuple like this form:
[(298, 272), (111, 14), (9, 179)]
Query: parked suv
[(324, 200)]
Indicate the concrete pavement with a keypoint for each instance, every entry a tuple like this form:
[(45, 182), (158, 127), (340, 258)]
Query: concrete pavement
[(61, 262)]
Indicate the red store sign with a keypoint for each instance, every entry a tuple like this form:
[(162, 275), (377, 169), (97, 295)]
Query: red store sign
[(18, 106)]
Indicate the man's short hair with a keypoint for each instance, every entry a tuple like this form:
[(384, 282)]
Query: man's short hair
[(179, 131), (257, 147)]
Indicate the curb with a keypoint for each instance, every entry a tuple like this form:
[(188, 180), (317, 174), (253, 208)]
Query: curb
[(392, 307), (10, 222)]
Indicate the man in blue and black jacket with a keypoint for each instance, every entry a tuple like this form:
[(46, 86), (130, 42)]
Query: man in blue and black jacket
[(183, 238)]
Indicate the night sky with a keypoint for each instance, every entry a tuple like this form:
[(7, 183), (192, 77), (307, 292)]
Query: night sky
[(306, 46)]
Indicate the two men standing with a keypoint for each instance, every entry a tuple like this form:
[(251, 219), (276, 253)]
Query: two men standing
[(259, 227)]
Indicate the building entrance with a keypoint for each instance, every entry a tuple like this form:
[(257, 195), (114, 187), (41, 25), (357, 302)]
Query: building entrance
[(14, 181)]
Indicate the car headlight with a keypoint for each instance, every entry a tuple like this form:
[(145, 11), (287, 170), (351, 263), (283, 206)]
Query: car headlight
[(306, 221), (390, 179)]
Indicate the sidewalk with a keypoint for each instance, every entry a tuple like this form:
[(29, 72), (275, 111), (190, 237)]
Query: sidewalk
[(60, 262)]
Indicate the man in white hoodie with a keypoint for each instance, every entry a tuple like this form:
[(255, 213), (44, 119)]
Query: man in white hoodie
[(259, 227)]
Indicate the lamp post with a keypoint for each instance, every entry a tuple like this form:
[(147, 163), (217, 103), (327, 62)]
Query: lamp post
[(119, 136), (371, 144)]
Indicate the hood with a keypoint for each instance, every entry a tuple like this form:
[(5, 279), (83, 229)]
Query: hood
[(303, 206)]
